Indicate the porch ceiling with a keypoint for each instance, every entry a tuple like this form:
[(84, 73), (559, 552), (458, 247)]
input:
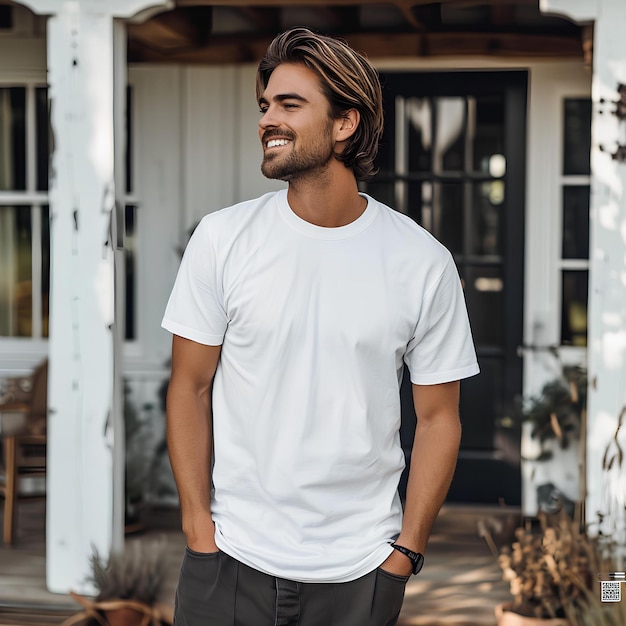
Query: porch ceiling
[(238, 31)]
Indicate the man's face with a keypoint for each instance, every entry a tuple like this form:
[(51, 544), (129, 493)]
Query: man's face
[(295, 128)]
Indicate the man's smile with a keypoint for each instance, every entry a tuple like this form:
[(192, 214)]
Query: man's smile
[(274, 143)]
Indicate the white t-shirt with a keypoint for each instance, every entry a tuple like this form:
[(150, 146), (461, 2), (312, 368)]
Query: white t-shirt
[(315, 324)]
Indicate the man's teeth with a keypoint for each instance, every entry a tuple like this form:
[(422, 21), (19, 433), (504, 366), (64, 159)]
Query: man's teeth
[(272, 143)]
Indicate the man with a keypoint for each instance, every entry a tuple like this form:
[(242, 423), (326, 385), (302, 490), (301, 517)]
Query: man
[(292, 316)]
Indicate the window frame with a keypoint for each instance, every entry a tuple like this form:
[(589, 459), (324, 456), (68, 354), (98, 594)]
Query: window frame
[(36, 200), (15, 348), (570, 352)]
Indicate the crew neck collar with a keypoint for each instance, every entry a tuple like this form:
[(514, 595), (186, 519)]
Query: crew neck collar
[(324, 232)]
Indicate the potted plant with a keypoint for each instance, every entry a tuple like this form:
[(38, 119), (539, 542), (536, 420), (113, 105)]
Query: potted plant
[(550, 567), (129, 587), (556, 419), (553, 569)]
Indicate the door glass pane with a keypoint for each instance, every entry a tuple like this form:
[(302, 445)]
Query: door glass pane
[(488, 202), (383, 192), (15, 271), (418, 201), (576, 222), (489, 129), (576, 136), (418, 115), (12, 138), (484, 292), (45, 269), (450, 134), (574, 307), (386, 146), (42, 133), (448, 212)]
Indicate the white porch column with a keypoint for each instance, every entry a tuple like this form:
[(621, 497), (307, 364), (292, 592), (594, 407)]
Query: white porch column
[(84, 507), (607, 285)]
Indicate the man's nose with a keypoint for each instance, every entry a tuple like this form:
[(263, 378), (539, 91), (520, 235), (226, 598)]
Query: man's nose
[(268, 118)]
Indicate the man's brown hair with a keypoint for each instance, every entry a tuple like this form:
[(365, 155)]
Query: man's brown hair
[(348, 80)]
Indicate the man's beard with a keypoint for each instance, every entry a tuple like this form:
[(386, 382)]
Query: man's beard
[(297, 165)]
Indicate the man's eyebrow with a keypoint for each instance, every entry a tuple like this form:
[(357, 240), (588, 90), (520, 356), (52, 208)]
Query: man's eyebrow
[(284, 96)]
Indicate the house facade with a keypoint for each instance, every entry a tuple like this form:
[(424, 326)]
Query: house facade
[(504, 137)]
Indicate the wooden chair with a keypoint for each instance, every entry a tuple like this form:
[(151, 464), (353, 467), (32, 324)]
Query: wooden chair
[(23, 445)]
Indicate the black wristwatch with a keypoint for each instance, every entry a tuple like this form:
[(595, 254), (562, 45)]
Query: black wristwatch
[(417, 558)]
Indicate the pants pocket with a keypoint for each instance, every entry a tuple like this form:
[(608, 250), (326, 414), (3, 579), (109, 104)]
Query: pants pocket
[(202, 591), (388, 598)]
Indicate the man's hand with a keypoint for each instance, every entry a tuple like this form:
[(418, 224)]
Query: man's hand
[(398, 564), (200, 534)]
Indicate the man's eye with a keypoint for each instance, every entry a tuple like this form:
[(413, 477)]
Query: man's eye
[(289, 105)]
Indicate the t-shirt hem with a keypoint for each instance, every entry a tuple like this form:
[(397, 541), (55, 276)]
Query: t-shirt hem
[(190, 333), (375, 560), (445, 377)]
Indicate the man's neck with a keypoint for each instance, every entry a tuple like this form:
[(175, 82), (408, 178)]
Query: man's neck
[(331, 200)]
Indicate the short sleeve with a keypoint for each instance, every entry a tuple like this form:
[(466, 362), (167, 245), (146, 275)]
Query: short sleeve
[(195, 308), (442, 349)]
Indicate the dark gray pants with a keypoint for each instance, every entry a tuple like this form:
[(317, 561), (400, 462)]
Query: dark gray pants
[(217, 590)]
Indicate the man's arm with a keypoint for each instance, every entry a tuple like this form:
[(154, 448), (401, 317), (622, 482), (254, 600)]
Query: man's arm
[(433, 459), (190, 437)]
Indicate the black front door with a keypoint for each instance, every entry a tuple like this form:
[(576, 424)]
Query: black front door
[(452, 158)]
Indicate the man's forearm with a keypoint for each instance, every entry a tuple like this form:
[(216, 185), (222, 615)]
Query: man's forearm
[(189, 439), (433, 460)]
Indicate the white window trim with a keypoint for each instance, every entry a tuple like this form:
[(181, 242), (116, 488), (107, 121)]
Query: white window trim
[(550, 85), (36, 200)]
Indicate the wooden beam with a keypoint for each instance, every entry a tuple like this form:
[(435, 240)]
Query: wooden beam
[(180, 28), (339, 18), (238, 49), (266, 19), (402, 4), (502, 15), (471, 3), (247, 49), (466, 44), (276, 3)]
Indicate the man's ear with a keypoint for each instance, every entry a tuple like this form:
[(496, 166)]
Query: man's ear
[(347, 124)]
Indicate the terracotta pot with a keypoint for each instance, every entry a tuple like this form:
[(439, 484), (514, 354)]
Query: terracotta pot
[(506, 617), (124, 616)]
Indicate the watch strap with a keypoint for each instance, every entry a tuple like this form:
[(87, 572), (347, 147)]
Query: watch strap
[(416, 558)]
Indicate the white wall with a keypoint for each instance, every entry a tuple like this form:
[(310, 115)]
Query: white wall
[(550, 83), (196, 150)]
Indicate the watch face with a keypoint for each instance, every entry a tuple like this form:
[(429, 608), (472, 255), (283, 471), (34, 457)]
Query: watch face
[(418, 563)]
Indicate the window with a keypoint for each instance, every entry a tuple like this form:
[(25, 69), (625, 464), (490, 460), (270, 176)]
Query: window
[(574, 257), (25, 217)]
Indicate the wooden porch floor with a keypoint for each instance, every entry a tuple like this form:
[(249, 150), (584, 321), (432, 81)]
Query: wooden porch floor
[(460, 584)]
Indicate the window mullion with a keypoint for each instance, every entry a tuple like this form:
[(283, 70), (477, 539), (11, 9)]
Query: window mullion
[(401, 154), (31, 187), (20, 198), (36, 263), (31, 140)]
